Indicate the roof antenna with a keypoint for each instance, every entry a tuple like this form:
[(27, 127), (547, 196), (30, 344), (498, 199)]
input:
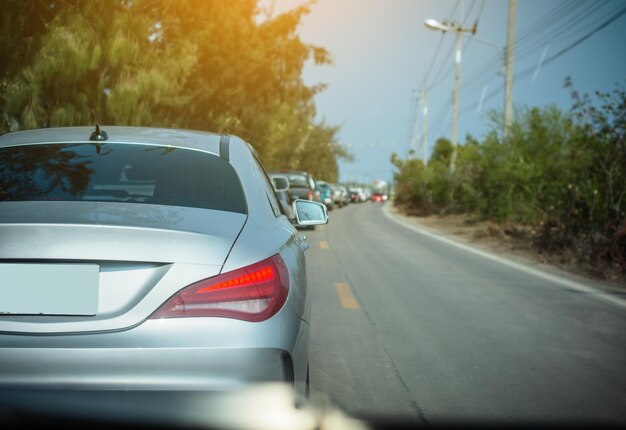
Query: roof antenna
[(98, 135)]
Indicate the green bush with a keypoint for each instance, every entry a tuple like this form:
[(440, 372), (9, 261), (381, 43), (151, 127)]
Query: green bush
[(561, 172)]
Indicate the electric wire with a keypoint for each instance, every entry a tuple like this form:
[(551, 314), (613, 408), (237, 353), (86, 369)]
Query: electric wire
[(485, 74), (528, 45), (561, 52)]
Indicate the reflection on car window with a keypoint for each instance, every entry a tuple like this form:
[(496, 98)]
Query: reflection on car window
[(119, 173), (272, 198), (297, 181)]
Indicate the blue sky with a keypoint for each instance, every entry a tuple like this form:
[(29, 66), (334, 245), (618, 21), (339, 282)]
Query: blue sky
[(382, 52)]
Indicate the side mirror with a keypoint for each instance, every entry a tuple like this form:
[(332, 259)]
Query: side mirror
[(281, 183), (309, 213)]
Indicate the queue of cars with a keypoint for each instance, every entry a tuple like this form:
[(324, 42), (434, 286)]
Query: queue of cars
[(302, 185)]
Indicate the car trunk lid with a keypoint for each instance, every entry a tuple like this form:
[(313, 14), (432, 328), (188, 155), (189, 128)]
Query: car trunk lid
[(143, 254)]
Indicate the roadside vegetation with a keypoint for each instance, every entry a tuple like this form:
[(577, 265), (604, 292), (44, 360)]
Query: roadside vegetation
[(558, 180), (223, 66)]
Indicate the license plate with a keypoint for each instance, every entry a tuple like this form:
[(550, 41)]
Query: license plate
[(49, 289)]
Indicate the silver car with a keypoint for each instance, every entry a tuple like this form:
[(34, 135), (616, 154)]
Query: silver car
[(147, 259)]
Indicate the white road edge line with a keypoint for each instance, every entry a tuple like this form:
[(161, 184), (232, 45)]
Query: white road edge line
[(530, 270)]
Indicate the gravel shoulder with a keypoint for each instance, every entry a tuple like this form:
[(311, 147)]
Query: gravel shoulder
[(507, 241)]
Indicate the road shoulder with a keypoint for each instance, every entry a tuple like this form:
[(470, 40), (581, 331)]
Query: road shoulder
[(507, 254)]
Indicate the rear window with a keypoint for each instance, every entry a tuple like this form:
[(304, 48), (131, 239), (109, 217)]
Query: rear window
[(114, 172), (298, 181), (324, 186)]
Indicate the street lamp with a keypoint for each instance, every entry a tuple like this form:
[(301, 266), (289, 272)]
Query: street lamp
[(433, 24)]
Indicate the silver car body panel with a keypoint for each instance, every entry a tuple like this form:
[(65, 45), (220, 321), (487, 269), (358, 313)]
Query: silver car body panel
[(190, 139), (140, 266), (274, 233), (165, 354), (133, 232), (146, 254)]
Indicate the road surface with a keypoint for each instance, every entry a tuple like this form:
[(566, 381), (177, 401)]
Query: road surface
[(408, 326)]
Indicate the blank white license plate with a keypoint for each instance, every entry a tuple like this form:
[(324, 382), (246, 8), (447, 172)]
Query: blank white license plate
[(49, 289)]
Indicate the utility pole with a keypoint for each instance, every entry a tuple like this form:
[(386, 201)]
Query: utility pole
[(413, 153), (455, 102), (508, 92), (458, 30), (424, 97)]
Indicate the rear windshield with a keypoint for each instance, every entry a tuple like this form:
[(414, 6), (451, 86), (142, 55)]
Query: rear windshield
[(298, 181), (115, 172), (323, 186)]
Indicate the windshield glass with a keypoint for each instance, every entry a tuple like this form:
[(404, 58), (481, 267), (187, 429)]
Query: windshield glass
[(119, 173), (298, 181)]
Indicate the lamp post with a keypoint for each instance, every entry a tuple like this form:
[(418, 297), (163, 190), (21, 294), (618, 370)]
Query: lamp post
[(421, 97), (425, 125), (435, 25), (508, 90)]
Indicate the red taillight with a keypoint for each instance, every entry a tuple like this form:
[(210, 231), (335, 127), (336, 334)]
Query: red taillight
[(310, 195), (253, 293)]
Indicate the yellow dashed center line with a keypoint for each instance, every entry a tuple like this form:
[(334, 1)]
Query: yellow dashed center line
[(323, 244), (347, 299)]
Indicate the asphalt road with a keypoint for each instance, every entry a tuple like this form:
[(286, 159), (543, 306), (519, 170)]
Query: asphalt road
[(408, 326)]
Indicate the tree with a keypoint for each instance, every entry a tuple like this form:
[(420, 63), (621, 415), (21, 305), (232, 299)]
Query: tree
[(217, 65)]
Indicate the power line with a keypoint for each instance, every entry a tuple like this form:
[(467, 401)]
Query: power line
[(413, 116), (483, 77), (432, 63), (568, 48), (469, 11), (566, 23), (529, 46), (545, 22)]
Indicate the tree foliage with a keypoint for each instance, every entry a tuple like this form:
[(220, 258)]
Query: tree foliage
[(218, 65)]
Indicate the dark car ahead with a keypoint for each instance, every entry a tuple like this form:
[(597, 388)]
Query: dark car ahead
[(356, 195), (301, 184), (284, 197)]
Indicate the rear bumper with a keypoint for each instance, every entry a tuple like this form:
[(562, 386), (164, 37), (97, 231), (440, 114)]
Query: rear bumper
[(161, 355), (142, 368)]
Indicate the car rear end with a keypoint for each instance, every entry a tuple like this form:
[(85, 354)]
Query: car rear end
[(326, 194), (345, 195), (115, 268), (337, 195), (301, 185), (355, 195)]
